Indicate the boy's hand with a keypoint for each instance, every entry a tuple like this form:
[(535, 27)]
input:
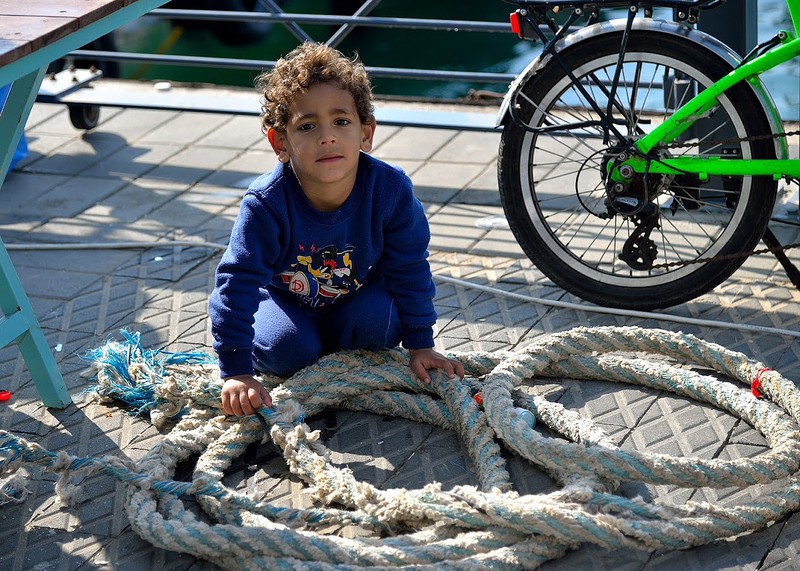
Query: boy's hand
[(243, 394), (422, 360)]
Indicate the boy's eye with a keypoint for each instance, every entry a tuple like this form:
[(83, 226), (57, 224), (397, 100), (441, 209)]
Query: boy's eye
[(305, 127), (342, 122)]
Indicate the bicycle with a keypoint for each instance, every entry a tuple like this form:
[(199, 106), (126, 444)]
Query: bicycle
[(639, 159)]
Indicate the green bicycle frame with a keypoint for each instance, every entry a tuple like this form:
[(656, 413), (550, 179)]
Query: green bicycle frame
[(704, 101)]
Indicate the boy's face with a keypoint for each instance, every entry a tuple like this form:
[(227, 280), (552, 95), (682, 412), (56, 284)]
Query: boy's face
[(323, 138)]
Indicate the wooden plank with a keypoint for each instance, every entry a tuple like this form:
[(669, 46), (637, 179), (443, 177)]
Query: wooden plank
[(17, 60), (12, 50), (28, 26), (38, 30), (85, 11), (26, 34)]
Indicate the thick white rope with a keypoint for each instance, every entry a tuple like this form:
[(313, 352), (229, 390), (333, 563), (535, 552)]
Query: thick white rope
[(466, 527)]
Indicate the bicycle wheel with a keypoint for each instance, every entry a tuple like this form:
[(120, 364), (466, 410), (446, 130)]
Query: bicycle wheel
[(687, 238)]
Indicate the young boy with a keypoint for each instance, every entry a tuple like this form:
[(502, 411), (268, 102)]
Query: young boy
[(329, 251)]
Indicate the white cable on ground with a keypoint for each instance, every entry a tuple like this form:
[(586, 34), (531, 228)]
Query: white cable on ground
[(622, 312), (445, 279), (45, 246)]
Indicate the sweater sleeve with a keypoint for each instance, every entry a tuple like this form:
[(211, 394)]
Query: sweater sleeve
[(406, 269), (246, 266)]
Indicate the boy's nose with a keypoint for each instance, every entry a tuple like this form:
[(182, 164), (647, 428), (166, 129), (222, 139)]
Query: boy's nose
[(327, 135)]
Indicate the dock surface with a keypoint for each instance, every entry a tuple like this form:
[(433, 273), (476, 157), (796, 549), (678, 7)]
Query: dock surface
[(149, 176)]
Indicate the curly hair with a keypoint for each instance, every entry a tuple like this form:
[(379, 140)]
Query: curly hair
[(305, 66)]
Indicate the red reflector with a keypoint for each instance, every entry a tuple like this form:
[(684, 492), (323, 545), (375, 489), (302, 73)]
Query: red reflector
[(516, 24)]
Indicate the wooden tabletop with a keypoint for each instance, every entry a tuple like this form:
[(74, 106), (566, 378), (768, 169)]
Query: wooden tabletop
[(28, 25)]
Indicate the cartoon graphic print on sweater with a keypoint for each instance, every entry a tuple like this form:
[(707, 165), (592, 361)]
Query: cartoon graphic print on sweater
[(322, 276)]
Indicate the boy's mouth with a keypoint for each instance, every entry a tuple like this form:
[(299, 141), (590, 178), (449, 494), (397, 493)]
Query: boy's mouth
[(329, 158)]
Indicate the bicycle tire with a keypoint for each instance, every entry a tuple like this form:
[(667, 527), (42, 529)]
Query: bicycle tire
[(553, 194)]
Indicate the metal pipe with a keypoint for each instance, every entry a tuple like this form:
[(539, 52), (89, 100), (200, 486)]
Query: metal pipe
[(260, 65), (344, 31), (368, 21)]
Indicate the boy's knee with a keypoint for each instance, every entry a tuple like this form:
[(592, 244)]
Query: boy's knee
[(286, 355), (371, 330), (370, 339)]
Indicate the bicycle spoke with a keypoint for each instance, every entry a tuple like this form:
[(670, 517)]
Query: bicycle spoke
[(701, 225), (551, 120), (646, 98)]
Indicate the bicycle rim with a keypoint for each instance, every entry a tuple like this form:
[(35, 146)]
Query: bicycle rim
[(555, 196)]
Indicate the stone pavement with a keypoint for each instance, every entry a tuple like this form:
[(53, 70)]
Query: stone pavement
[(147, 175)]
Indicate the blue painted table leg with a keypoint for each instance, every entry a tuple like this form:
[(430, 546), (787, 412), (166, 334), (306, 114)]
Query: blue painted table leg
[(17, 320), (14, 115), (20, 325)]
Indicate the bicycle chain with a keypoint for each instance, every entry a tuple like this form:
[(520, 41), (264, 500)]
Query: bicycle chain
[(724, 257), (734, 140)]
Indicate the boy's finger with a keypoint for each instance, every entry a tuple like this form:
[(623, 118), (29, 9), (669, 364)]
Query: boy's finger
[(245, 408), (254, 398), (421, 372), (236, 406), (266, 398)]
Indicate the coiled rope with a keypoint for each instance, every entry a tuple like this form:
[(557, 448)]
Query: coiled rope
[(466, 527)]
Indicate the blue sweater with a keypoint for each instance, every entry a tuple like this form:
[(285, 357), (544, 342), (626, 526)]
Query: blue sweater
[(282, 243)]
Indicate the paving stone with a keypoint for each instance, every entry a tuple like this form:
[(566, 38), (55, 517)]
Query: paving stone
[(51, 120), (470, 148), (483, 190), (243, 169), (183, 128), (785, 552), (54, 283), (42, 114), (383, 133), (131, 161), (135, 124), (193, 164), (21, 189), (434, 194), (79, 154), (413, 143), (238, 132), (454, 229), (445, 175)]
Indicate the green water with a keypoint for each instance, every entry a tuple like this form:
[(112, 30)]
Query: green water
[(402, 48)]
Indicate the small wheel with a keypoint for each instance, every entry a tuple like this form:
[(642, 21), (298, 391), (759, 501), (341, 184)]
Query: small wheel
[(84, 116), (649, 247)]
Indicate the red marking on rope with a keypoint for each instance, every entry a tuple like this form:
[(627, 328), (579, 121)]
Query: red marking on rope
[(478, 399), (756, 384), (4, 396)]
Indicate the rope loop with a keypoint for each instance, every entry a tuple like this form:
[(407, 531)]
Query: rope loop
[(468, 526)]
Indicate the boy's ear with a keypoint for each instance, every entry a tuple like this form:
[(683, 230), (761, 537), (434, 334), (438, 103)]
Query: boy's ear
[(367, 134), (278, 142)]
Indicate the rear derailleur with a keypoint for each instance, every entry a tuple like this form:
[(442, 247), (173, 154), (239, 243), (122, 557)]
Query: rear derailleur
[(639, 250), (631, 200)]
